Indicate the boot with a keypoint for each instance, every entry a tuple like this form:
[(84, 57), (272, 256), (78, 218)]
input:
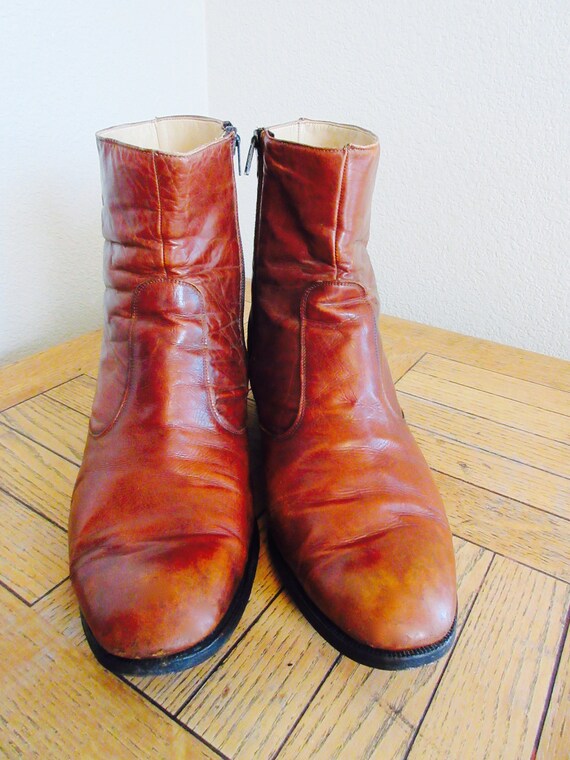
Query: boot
[(357, 527), (162, 540)]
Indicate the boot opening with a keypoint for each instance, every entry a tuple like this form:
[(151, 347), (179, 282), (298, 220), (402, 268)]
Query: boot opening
[(323, 134), (178, 134)]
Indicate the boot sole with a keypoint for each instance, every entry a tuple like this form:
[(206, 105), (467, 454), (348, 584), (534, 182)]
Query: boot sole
[(384, 659), (195, 654)]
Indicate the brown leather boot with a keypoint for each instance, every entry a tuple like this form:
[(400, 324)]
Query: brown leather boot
[(162, 541), (357, 526)]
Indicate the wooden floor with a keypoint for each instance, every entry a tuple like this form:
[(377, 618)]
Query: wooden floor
[(494, 423)]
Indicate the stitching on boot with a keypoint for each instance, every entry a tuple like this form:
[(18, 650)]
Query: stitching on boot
[(159, 214), (205, 356), (338, 207), (303, 355)]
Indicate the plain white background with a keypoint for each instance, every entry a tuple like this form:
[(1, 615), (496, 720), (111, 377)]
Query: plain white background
[(470, 223)]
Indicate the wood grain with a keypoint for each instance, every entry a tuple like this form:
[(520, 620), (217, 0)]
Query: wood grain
[(364, 713), (30, 376), (487, 435), (496, 383), (247, 707), (507, 527), (53, 425), (492, 692), (513, 479), (511, 361), (10, 607), (77, 394), (492, 419), (33, 551), (482, 404), (36, 476), (56, 703), (60, 609), (555, 737)]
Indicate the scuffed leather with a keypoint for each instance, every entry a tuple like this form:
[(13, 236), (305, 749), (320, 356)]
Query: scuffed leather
[(352, 504), (161, 513)]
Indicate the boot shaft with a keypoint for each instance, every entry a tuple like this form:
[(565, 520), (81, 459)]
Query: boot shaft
[(316, 181), (316, 185), (173, 273)]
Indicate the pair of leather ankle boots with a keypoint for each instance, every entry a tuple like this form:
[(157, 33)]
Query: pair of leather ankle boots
[(163, 540)]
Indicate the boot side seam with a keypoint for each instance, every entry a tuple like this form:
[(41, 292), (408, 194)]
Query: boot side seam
[(205, 355), (291, 430), (159, 212), (337, 214)]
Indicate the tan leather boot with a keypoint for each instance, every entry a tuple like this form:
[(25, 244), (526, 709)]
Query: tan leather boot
[(358, 529), (162, 540)]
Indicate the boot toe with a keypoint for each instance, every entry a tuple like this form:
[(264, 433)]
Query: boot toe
[(158, 598), (395, 591)]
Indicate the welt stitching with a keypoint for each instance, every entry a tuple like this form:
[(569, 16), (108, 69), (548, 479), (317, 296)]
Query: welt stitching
[(159, 213)]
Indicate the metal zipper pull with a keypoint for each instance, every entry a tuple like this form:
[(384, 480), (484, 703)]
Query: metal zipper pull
[(252, 147), (229, 128)]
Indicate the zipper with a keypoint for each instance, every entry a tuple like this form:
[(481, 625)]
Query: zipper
[(254, 144), (230, 129)]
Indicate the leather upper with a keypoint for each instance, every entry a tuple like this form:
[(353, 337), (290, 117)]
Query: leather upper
[(353, 507), (161, 514)]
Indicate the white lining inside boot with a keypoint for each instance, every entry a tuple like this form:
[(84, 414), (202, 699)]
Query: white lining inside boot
[(176, 134), (323, 134)]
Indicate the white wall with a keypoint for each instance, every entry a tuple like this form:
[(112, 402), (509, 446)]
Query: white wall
[(470, 222), (68, 69), (470, 225)]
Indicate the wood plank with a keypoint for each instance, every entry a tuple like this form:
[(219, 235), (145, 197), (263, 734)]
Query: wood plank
[(173, 690), (494, 702), (10, 607), (555, 737), (362, 712), (400, 360), (513, 479), (512, 361), (58, 703), (481, 404), (33, 551), (247, 707), (36, 476), (496, 383), (61, 610), (30, 376), (508, 527), (487, 435), (77, 394), (53, 425)]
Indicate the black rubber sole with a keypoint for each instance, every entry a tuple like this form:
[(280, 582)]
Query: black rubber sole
[(199, 652), (384, 659)]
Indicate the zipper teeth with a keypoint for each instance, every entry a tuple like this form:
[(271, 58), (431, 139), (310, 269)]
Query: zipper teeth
[(252, 147), (230, 129)]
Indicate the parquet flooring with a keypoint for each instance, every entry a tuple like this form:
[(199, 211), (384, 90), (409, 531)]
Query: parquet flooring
[(494, 424)]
